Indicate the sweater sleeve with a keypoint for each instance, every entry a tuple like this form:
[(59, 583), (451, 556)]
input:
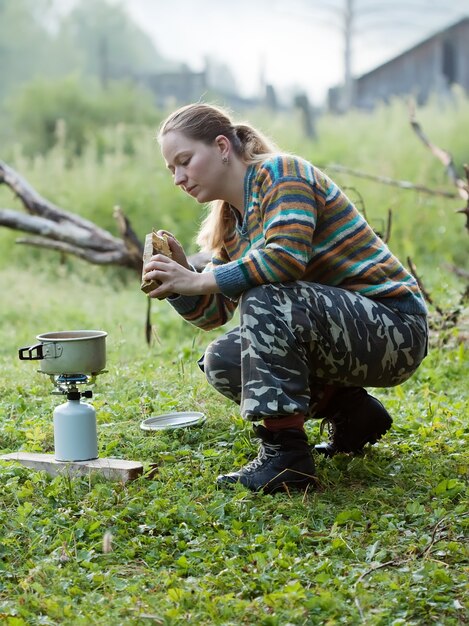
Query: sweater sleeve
[(288, 212), (205, 311)]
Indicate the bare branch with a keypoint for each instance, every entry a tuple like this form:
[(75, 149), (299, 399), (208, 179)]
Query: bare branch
[(92, 256), (387, 235), (442, 155), (458, 271), (132, 242), (465, 210), (425, 293), (57, 230), (385, 180), (68, 233)]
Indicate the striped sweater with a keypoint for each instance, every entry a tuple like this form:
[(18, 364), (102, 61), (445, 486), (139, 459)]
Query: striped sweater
[(298, 225)]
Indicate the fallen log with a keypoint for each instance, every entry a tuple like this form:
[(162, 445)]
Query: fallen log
[(69, 233), (57, 229)]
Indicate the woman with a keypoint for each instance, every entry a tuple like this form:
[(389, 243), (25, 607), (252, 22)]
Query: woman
[(325, 309)]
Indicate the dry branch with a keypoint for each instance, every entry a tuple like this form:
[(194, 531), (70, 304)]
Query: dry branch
[(111, 257), (55, 229), (446, 158), (465, 210), (442, 155), (385, 180), (131, 241), (458, 271), (422, 288)]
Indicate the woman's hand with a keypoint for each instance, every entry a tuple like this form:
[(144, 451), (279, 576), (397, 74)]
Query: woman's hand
[(176, 279), (176, 249)]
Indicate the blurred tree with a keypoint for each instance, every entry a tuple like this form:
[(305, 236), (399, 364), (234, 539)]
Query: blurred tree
[(24, 42), (109, 43), (95, 38)]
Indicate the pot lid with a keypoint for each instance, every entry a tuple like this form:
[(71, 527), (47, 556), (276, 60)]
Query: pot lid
[(71, 335)]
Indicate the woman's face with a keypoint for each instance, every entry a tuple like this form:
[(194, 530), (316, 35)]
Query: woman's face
[(196, 167)]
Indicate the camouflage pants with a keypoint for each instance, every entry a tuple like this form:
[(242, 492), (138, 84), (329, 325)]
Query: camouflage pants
[(296, 338)]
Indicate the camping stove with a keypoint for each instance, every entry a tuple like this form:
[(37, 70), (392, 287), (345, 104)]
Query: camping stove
[(72, 359), (75, 433)]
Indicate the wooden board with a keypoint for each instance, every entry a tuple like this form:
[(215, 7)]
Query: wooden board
[(114, 469)]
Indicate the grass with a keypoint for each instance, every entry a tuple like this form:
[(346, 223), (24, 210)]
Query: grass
[(382, 540)]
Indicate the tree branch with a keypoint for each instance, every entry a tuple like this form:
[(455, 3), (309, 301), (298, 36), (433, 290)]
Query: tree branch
[(385, 180), (92, 256), (425, 293), (442, 155), (59, 230), (67, 233), (446, 158), (132, 242)]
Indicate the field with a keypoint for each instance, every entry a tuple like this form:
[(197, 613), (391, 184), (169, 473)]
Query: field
[(383, 538)]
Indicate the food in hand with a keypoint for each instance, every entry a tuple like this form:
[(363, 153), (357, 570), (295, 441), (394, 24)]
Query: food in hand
[(154, 244)]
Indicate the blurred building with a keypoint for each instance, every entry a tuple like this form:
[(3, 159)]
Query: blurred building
[(175, 87), (433, 66), (184, 86)]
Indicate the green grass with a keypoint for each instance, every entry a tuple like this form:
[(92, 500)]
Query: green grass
[(382, 540)]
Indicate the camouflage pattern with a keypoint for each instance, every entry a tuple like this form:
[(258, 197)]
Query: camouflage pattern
[(296, 338)]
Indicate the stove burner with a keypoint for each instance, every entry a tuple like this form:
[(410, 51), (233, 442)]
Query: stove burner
[(72, 378), (67, 383)]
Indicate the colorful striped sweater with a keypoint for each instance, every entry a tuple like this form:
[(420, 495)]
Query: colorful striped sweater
[(298, 225)]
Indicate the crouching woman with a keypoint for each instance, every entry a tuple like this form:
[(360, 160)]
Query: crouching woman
[(325, 309)]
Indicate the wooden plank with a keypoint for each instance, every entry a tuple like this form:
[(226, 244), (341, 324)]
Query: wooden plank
[(114, 469)]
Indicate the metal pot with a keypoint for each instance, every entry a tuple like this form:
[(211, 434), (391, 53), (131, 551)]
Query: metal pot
[(68, 352)]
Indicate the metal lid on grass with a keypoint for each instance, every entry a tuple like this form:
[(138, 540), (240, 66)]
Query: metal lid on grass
[(170, 421)]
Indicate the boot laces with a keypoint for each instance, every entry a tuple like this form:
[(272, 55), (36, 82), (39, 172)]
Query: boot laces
[(329, 424), (266, 451)]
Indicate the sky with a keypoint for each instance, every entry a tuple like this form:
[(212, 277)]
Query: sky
[(296, 45)]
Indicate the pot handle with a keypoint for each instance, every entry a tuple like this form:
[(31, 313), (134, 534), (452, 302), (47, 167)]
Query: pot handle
[(31, 353)]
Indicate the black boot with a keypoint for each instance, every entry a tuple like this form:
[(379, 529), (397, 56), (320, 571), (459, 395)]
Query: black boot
[(354, 419), (284, 459)]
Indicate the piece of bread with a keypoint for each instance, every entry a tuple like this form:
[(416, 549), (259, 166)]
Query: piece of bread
[(154, 244)]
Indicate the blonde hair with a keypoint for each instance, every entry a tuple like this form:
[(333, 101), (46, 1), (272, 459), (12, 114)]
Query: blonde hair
[(204, 122)]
